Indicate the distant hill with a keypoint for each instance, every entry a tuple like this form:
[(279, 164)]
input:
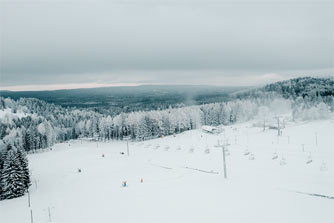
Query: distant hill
[(114, 100), (127, 99), (302, 87), (305, 87)]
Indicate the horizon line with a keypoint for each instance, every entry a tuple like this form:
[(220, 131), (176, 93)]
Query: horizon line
[(18, 88)]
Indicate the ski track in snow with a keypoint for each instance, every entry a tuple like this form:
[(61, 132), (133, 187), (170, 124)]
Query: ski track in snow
[(200, 170), (161, 166), (315, 195)]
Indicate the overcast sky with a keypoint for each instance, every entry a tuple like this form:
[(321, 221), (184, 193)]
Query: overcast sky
[(87, 43)]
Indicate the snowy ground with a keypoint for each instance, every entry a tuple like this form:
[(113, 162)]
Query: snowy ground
[(184, 186)]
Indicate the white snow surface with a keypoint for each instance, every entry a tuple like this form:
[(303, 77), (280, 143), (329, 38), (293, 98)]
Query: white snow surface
[(183, 186)]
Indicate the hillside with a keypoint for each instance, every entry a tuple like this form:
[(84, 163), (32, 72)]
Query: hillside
[(78, 161), (182, 181), (305, 87)]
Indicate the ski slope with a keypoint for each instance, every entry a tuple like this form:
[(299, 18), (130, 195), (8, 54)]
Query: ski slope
[(183, 179)]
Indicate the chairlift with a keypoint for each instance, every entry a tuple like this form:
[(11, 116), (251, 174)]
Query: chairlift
[(275, 156), (323, 167), (227, 152), (282, 162), (309, 159)]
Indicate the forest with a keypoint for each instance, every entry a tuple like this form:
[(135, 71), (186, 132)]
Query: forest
[(30, 125), (115, 100)]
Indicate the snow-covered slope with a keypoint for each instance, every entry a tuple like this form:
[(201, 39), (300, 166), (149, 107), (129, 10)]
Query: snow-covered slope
[(183, 179)]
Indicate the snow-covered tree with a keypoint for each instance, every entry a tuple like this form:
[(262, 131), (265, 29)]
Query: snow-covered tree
[(12, 175), (22, 158)]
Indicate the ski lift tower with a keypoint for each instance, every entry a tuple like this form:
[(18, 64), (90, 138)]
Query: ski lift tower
[(127, 138), (223, 146), (96, 139), (279, 133)]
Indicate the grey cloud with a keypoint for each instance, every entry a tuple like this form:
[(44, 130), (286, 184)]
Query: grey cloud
[(68, 41)]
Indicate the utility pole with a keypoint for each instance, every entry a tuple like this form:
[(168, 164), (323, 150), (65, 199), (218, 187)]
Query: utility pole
[(316, 138)]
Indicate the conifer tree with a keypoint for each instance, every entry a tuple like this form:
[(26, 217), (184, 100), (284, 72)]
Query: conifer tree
[(12, 183), (2, 159), (22, 157)]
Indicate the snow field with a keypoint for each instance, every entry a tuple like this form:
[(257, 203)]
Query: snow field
[(181, 184)]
